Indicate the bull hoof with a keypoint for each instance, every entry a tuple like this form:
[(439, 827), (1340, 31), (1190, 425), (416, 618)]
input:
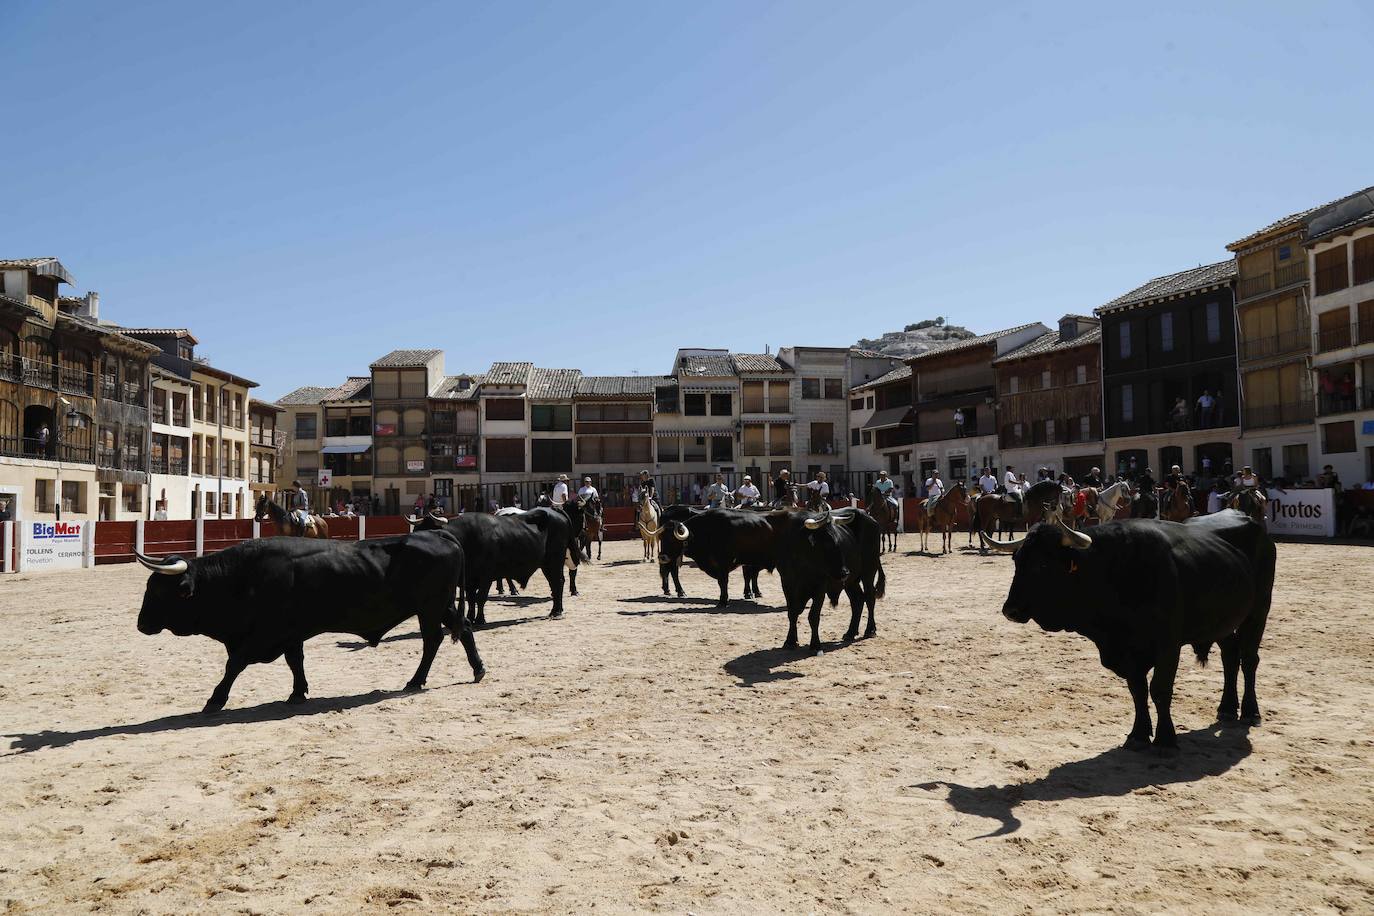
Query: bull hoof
[(414, 687), (555, 615), (212, 707), (1251, 718), (817, 650), (680, 594), (665, 591), (478, 674), (296, 699), (870, 632), (1227, 715), (850, 637), (1165, 750), (790, 644), (572, 592), (1136, 743)]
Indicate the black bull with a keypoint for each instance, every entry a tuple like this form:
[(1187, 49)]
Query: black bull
[(513, 547), (264, 599), (1144, 588), (815, 555)]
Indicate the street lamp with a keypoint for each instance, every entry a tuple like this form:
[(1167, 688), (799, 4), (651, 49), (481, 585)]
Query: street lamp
[(65, 406)]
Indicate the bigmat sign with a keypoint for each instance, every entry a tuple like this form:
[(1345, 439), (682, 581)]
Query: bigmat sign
[(1305, 513), (54, 545)]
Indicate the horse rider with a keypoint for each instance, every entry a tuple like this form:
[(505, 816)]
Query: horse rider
[(717, 492), (747, 494), (1145, 481), (560, 492), (987, 483), (820, 490), (1093, 479), (885, 486), (587, 491), (300, 505), (1247, 479), (935, 489), (782, 488), (1010, 481), (647, 490)]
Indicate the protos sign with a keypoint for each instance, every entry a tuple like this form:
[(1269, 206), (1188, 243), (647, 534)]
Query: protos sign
[(1305, 513), (54, 545)]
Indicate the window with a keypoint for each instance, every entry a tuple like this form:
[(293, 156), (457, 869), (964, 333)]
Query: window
[(388, 460), (210, 502), (854, 436), (414, 384), (811, 389), (755, 439), (694, 405), (1166, 329), (1295, 466), (1045, 380), (693, 449), (1085, 428), (551, 455), (779, 439), (506, 455), (1262, 460), (665, 399), (834, 389), (1081, 375), (413, 422), (721, 405), (1362, 260), (868, 402), (505, 408), (752, 397), (1332, 273), (386, 386), (780, 397), (1049, 432), (1014, 384), (868, 437), (1127, 403), (305, 424), (1213, 323), (668, 449), (551, 418), (1338, 437), (43, 495), (335, 423), (1285, 252), (722, 448), (1123, 340), (856, 403)]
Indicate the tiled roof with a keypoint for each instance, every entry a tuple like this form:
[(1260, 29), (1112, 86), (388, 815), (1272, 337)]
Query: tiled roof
[(554, 384), (259, 404), (706, 366), (619, 386), (48, 267), (866, 354), (450, 387), (509, 374), (156, 332), (896, 375), (310, 394), (1292, 220), (1344, 214), (19, 304), (405, 359), (970, 342), (353, 389), (1185, 281), (1050, 343), (757, 363)]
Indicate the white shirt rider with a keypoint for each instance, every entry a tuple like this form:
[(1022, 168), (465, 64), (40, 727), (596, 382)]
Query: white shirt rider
[(747, 490), (987, 483), (587, 491), (820, 486), (935, 488), (560, 493)]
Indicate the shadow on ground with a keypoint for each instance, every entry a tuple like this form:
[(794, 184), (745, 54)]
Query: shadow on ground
[(1117, 772), (763, 666), (266, 712), (696, 606)]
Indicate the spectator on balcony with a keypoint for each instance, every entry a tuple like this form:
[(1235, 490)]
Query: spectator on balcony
[(1207, 408), (43, 436), (1178, 417), (1346, 387), (958, 422)]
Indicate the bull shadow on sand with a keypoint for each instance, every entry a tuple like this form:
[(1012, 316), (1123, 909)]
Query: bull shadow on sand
[(764, 666), (688, 605), (1117, 772), (620, 562), (266, 712), (357, 645)]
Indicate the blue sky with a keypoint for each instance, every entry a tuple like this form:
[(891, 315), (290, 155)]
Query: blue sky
[(309, 185)]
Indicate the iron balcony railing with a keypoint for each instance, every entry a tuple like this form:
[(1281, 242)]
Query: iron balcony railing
[(825, 447), (1271, 415), (1273, 345), (1335, 338), (1344, 401), (159, 412)]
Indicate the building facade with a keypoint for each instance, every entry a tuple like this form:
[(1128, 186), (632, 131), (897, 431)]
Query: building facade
[(1340, 249), (881, 435), (1049, 407), (954, 403), (614, 429), (264, 448), (1169, 373)]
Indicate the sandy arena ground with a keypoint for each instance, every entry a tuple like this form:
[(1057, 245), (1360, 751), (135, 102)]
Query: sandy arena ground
[(661, 754)]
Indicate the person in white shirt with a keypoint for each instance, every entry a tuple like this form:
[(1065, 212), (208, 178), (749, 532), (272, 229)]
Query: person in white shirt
[(1214, 502), (820, 490), (885, 486), (560, 491), (987, 483), (1010, 482), (716, 492), (587, 491), (747, 493), (935, 488)]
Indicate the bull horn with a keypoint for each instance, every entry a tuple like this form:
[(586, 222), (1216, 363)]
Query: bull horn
[(1075, 539), (842, 518), (681, 532), (823, 519), (165, 567), (1001, 546), (651, 532), (438, 516), (413, 520)]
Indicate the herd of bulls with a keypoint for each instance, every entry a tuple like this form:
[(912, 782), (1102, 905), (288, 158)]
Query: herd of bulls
[(1139, 589)]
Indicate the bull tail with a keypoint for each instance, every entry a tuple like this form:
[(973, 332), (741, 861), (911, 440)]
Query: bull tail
[(1202, 650), (881, 588), (834, 596), (456, 611)]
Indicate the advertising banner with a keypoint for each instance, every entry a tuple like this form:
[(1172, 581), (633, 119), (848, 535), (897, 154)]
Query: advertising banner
[(1303, 513), (415, 465), (53, 545)]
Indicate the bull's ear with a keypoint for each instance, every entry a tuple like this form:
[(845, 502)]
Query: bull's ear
[(187, 586)]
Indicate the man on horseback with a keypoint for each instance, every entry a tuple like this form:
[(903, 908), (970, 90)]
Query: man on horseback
[(587, 491), (1247, 481), (987, 484), (747, 494), (1093, 479), (300, 506), (820, 491), (935, 488), (782, 488), (647, 490), (717, 492), (885, 486)]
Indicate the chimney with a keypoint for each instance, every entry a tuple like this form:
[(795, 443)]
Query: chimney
[(90, 308), (767, 351)]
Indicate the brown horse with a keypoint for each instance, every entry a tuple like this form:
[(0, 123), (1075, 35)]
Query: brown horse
[(1250, 501), (1178, 504), (885, 515), (945, 515), (267, 510), (594, 526)]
